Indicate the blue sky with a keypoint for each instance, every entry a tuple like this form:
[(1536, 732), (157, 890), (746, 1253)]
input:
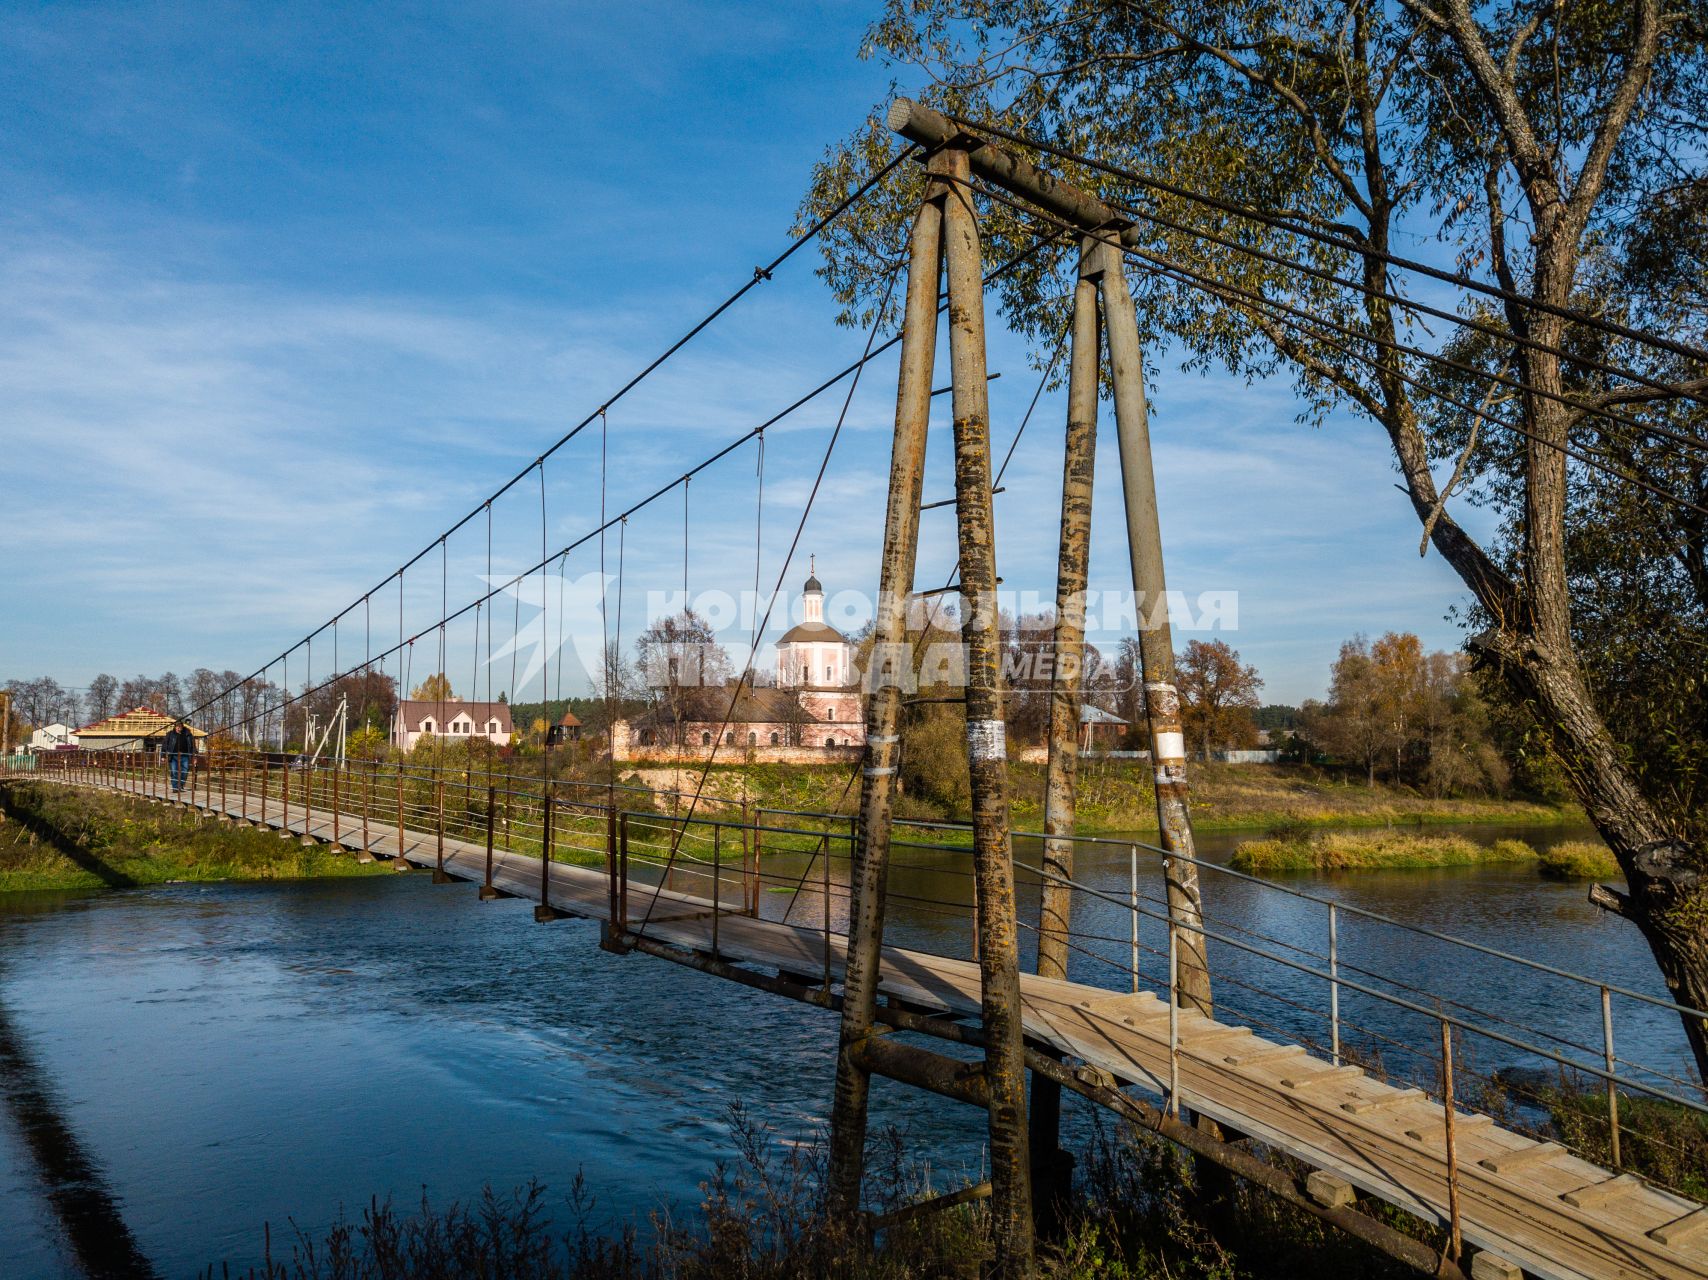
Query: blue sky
[(285, 291)]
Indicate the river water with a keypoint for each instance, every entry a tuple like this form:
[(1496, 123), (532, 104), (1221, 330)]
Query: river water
[(182, 1064)]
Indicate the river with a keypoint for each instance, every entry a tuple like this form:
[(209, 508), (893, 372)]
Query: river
[(182, 1064)]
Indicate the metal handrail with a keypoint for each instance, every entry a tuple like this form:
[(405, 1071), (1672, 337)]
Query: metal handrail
[(1437, 1014)]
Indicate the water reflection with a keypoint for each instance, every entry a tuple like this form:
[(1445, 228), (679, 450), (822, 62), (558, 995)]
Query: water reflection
[(70, 1181)]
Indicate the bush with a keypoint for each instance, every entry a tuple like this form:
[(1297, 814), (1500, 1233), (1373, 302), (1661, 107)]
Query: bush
[(1658, 1139), (934, 764), (1141, 1216), (1579, 860), (1511, 851)]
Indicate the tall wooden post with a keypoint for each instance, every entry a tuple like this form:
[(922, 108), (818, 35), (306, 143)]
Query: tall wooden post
[(1156, 641), (987, 749), (1052, 1168), (888, 671)]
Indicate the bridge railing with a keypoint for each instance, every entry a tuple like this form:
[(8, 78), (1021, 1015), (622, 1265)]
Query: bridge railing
[(1599, 1067)]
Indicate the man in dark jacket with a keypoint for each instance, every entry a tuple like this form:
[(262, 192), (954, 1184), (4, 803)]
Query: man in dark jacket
[(179, 746)]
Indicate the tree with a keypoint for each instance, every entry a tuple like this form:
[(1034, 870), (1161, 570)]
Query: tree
[(1276, 716), (1217, 696), (100, 699), (1353, 724), (1554, 145), (1397, 664), (678, 653), (435, 688)]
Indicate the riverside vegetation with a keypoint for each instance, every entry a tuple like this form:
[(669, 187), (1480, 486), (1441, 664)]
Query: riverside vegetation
[(1294, 847), (59, 837), (1140, 1213), (1118, 796)]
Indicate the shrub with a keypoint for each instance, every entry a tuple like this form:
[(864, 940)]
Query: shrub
[(934, 763), (1511, 851), (1579, 860)]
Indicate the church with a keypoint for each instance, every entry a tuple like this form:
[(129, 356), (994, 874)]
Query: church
[(813, 707)]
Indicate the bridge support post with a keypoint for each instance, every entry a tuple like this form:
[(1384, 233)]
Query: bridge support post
[(487, 891), (945, 238), (545, 911), (401, 863), (987, 750), (888, 671), (1052, 1168), (439, 876), (365, 854), (1156, 640)]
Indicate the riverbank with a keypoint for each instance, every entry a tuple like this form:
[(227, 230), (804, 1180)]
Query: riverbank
[(1116, 796), (60, 837), (1300, 849)]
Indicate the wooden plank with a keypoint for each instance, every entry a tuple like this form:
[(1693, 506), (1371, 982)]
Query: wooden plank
[(1263, 1051), (1315, 1079)]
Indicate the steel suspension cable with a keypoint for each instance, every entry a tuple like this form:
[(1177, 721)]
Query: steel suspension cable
[(1337, 241), (1161, 265), (852, 369), (760, 274)]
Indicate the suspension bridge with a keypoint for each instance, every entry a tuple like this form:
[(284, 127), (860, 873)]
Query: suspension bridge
[(1118, 1006)]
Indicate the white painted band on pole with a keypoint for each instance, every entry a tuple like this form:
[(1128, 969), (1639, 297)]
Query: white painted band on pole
[(1170, 745), (987, 740), (882, 738), (880, 772)]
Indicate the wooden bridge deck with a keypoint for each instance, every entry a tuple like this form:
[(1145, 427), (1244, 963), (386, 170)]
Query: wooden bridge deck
[(1533, 1203)]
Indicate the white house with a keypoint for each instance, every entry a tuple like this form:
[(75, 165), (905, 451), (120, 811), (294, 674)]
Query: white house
[(453, 719), (53, 737)]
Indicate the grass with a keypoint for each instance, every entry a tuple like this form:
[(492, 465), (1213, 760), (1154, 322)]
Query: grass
[(57, 837), (1580, 860), (1373, 851), (1294, 846), (1117, 796)]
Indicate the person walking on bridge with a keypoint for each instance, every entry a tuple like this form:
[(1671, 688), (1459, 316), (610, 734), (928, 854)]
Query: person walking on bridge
[(179, 746)]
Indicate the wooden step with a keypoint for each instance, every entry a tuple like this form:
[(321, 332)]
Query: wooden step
[(1463, 1123), (1521, 1158), (1264, 1051), (1313, 1079), (1689, 1229), (1368, 1103), (1210, 1042), (1598, 1195)]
